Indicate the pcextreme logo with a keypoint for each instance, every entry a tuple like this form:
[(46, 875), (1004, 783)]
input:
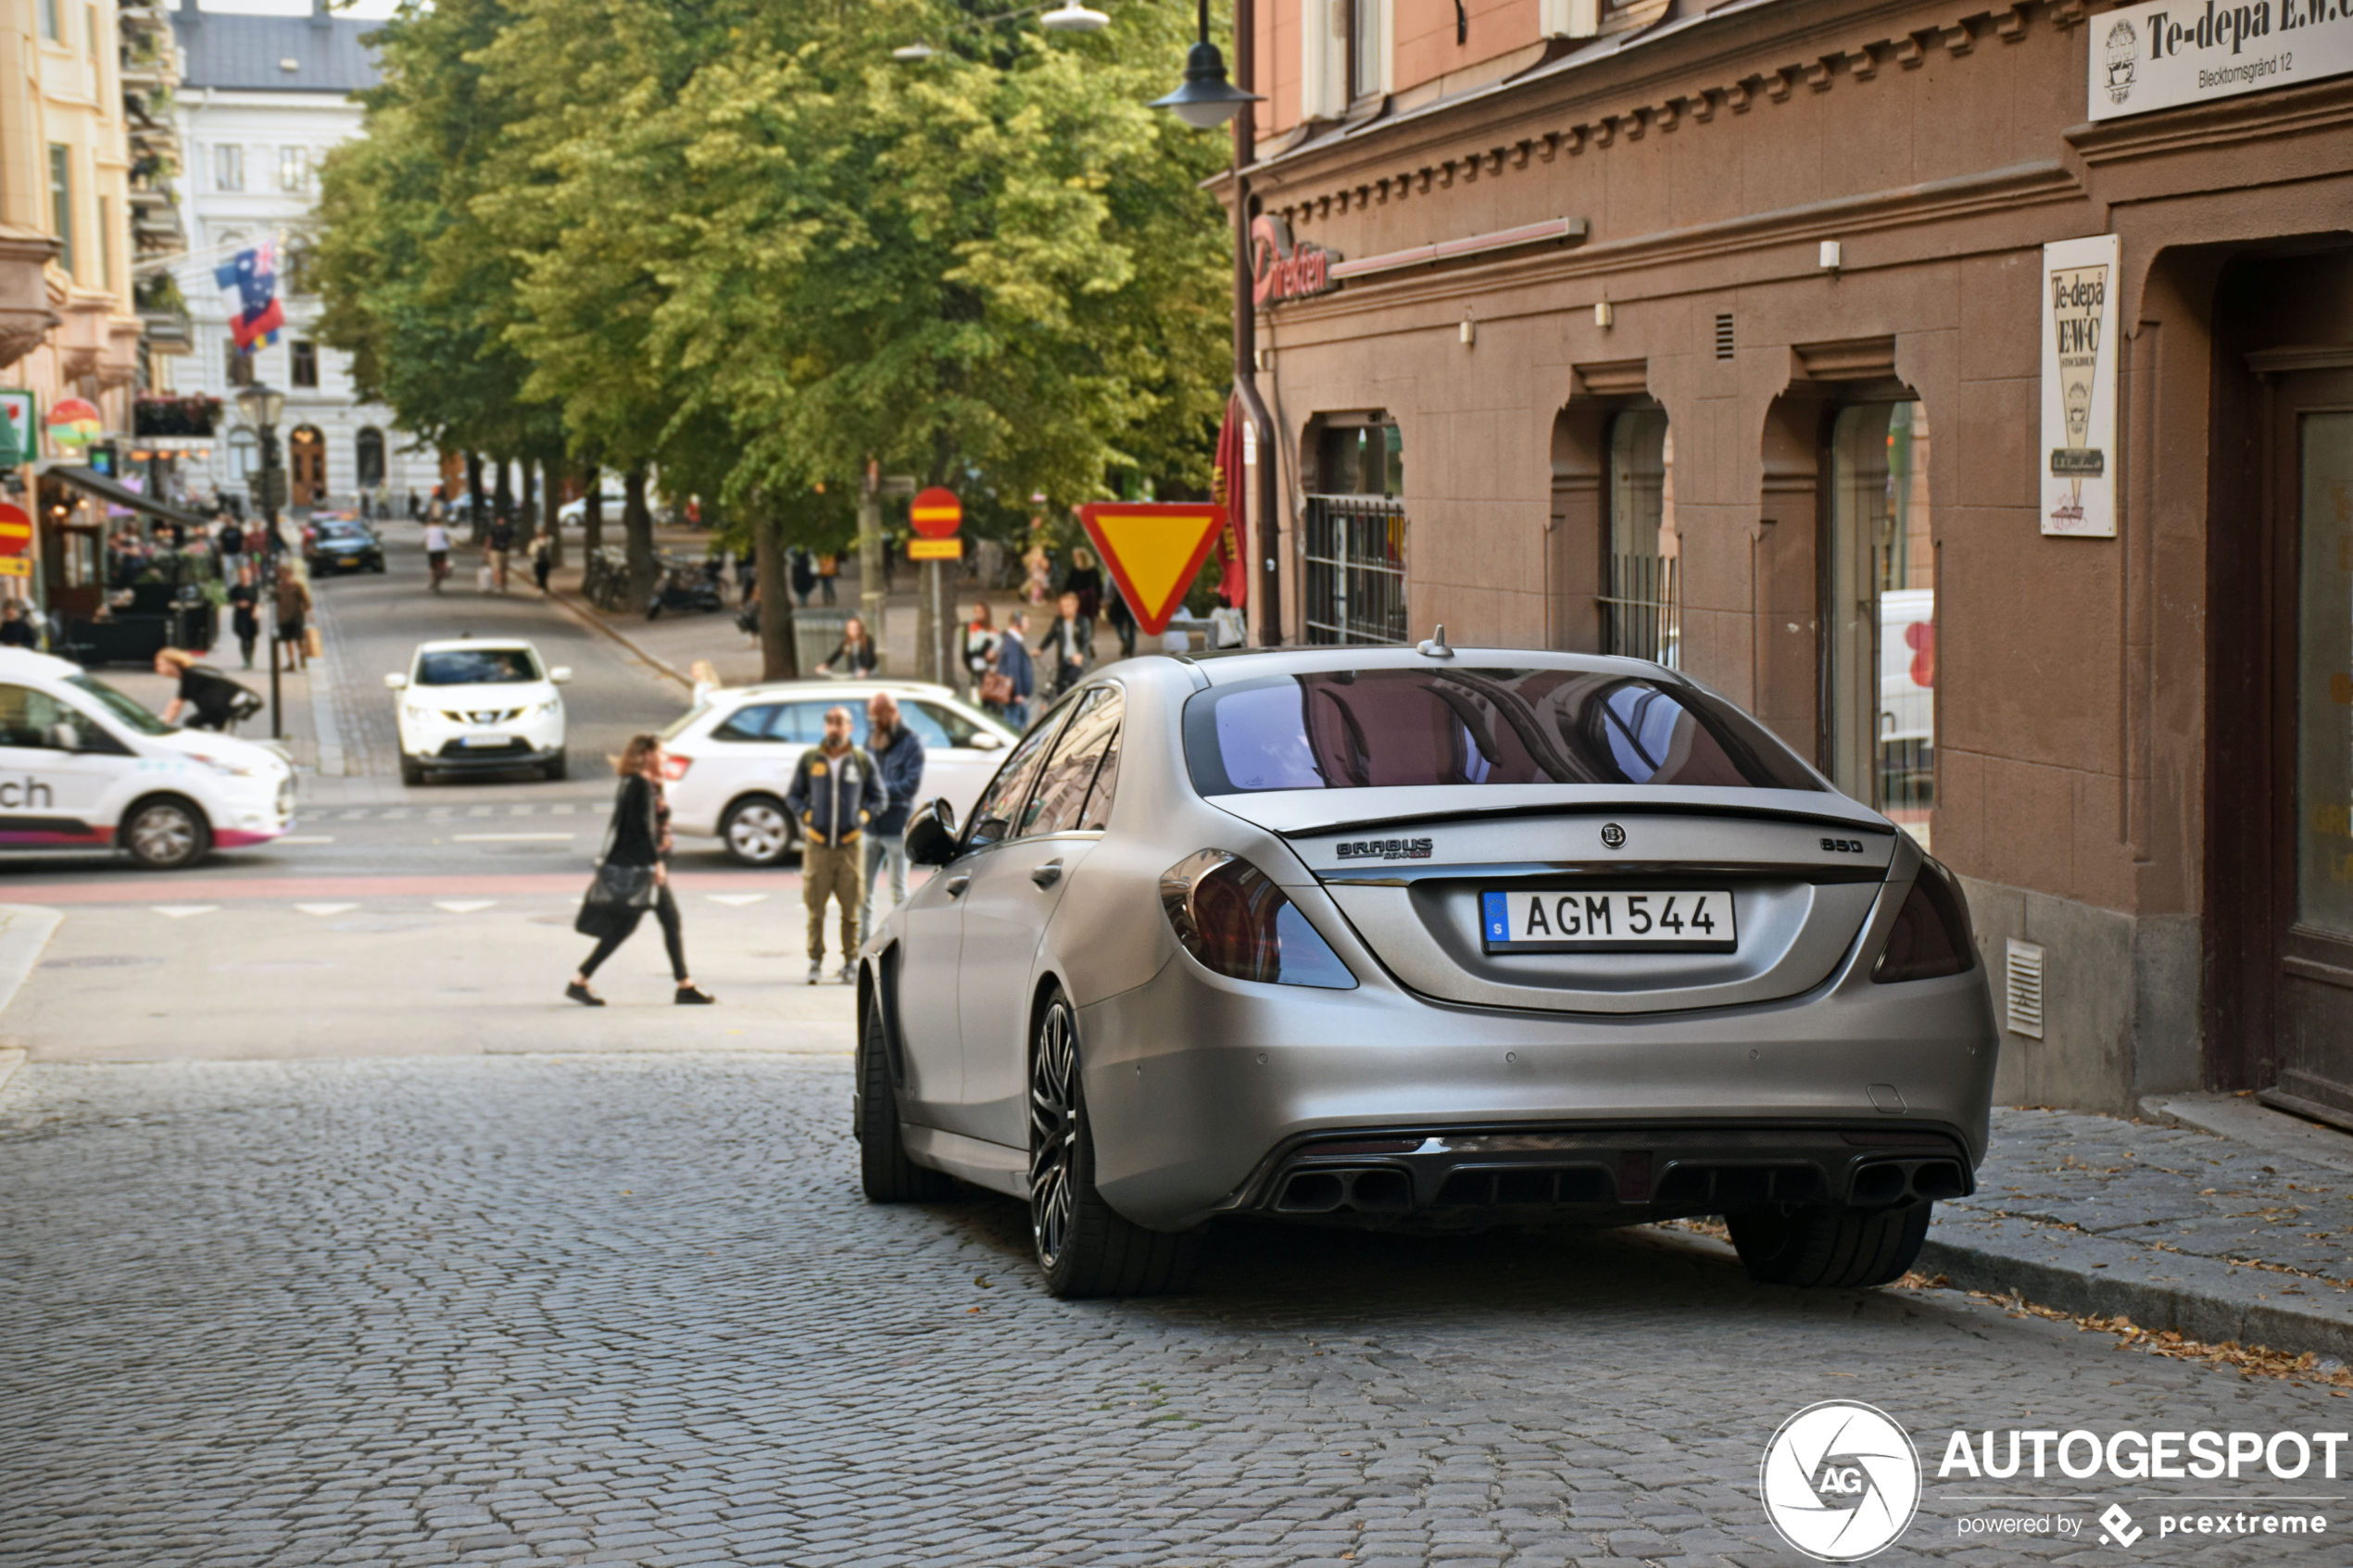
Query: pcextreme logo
[(1840, 1480)]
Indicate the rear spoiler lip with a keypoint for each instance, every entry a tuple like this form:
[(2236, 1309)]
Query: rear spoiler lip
[(1858, 818)]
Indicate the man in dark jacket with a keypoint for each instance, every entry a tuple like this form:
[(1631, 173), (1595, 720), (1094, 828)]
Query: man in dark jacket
[(1013, 662), (835, 793), (898, 757)]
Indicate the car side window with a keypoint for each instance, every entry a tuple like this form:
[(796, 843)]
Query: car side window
[(803, 723), (1060, 797), (936, 725), (992, 818), (29, 718), (1097, 815), (747, 723)]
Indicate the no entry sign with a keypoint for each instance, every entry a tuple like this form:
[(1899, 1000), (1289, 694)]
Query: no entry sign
[(936, 513), (16, 531), (1154, 550)]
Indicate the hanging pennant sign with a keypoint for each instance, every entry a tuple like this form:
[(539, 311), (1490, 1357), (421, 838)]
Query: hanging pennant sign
[(1154, 550)]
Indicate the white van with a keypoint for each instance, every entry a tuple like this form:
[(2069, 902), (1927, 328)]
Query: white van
[(84, 767)]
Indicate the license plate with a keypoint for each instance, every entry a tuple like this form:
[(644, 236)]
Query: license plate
[(1614, 921), (486, 740), (346, 560)]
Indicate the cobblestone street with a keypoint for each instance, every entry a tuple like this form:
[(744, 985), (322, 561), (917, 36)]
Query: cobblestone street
[(633, 1309)]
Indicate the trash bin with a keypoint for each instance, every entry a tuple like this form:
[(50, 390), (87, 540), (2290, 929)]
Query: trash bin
[(816, 633)]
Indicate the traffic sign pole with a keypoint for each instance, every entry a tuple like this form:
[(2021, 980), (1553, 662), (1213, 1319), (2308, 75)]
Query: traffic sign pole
[(935, 514)]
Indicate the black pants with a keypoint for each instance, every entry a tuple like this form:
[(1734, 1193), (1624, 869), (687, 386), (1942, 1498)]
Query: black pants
[(674, 937), (248, 633)]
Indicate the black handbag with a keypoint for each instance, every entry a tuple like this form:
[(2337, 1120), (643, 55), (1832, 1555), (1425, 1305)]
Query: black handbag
[(617, 896)]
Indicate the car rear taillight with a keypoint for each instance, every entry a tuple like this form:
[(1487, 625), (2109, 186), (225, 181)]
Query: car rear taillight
[(1236, 922), (674, 767), (1931, 934)]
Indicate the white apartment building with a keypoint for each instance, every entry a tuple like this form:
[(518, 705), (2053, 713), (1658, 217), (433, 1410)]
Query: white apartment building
[(262, 98)]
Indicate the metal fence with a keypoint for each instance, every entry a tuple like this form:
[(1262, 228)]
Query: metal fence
[(1643, 611), (1355, 579), (816, 633)]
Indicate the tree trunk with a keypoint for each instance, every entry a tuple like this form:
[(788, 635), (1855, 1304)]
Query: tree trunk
[(592, 516), (503, 504), (478, 524), (779, 649), (551, 502), (637, 527)]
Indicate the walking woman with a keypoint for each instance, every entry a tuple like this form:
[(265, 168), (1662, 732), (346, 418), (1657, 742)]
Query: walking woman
[(639, 839)]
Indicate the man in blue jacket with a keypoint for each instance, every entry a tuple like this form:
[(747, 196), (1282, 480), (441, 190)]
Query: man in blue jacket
[(898, 759), (836, 792), (1013, 662)]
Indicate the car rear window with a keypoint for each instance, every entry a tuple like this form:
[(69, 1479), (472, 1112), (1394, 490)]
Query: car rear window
[(1347, 729)]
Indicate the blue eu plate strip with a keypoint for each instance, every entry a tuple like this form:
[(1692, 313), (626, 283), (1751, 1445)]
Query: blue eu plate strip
[(1497, 915)]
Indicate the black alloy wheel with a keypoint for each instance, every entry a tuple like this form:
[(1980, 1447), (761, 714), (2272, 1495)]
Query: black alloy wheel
[(1831, 1249), (1085, 1248)]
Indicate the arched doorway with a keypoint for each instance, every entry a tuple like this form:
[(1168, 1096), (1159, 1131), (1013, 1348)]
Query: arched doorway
[(306, 467), (368, 453)]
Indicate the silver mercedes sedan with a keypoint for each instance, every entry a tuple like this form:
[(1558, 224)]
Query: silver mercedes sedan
[(1431, 937)]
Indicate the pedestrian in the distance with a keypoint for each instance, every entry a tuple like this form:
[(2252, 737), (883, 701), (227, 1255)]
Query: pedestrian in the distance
[(980, 642), (497, 550), (232, 540), (294, 617), (1013, 662), (898, 752), (706, 681), (1068, 647), (1226, 629), (836, 792), (853, 657), (16, 631), (543, 558), (245, 611), (437, 551), (639, 839), (1085, 580), (1122, 620), (211, 696), (804, 576), (829, 567)]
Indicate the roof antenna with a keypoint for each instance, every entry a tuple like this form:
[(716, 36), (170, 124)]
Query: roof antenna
[(1436, 646)]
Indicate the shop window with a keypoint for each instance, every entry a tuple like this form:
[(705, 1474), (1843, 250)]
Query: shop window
[(304, 370), (1354, 536), (244, 454), (227, 169), (1641, 584), (1879, 583), (369, 456)]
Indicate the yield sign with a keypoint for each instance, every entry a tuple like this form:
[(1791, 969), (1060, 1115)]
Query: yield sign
[(1154, 550)]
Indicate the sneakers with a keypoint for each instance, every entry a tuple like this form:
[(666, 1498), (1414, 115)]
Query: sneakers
[(584, 995), (816, 970), (694, 996), (849, 975)]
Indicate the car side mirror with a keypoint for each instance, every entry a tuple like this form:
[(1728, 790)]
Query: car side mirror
[(931, 836), (560, 673), (395, 682), (987, 740)]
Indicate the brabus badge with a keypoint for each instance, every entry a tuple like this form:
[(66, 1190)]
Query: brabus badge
[(1613, 835), (1386, 849)]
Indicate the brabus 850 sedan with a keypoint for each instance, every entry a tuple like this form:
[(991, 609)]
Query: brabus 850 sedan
[(1424, 937)]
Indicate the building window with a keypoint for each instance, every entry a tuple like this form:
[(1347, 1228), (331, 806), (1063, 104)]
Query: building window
[(370, 454), (106, 241), (1363, 47), (239, 362), (227, 169), (61, 203), (53, 20), (1641, 589), (244, 454), (1881, 616), (293, 168), (89, 14), (1354, 536), (305, 370)]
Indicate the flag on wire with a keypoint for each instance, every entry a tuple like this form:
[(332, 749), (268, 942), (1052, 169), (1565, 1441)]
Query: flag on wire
[(1226, 489), (254, 274)]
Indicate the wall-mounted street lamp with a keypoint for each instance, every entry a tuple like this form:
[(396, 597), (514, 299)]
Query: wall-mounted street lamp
[(1205, 98)]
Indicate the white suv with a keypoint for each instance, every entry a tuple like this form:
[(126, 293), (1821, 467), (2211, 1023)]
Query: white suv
[(732, 759), (478, 705)]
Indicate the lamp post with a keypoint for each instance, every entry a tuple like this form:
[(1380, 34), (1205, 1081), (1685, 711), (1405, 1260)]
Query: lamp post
[(1204, 99), (262, 406)]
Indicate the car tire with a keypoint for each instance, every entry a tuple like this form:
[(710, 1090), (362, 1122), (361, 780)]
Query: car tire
[(1085, 1248), (884, 1170), (555, 769), (411, 771), (165, 832), (757, 830), (1830, 1248)]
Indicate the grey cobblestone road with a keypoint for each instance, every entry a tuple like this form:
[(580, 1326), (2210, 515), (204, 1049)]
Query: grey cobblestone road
[(632, 1311)]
